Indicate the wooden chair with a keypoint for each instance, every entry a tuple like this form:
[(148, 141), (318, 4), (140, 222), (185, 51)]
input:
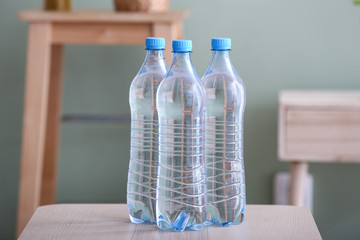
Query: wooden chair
[(48, 33), (317, 126)]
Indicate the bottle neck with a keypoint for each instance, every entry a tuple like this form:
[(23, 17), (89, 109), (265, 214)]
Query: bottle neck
[(220, 60), (154, 58), (181, 61)]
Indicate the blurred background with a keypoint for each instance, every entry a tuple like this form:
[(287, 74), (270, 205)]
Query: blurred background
[(282, 44)]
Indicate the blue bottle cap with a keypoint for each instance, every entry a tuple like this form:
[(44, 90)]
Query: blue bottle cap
[(153, 43), (221, 44), (182, 45)]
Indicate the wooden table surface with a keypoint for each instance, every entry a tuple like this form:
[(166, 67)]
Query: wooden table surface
[(111, 221)]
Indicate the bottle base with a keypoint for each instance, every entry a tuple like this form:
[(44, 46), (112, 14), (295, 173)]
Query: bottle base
[(139, 213), (182, 222), (217, 220), (137, 220), (140, 220)]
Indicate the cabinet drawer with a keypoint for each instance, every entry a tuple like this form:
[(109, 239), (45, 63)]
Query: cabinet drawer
[(321, 134)]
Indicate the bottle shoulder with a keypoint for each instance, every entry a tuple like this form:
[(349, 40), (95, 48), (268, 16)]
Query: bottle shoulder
[(143, 78), (143, 88), (182, 76), (181, 92), (215, 78), (219, 84), (178, 83)]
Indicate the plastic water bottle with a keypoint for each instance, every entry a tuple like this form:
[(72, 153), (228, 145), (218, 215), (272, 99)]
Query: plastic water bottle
[(181, 101), (226, 98), (143, 166)]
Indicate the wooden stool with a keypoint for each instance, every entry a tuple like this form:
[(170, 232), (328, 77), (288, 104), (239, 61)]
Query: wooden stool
[(317, 126), (48, 32)]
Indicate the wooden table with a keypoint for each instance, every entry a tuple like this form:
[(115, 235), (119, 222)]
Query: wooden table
[(48, 33), (111, 221), (317, 126)]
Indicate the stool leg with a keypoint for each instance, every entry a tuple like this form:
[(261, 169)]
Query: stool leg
[(298, 173), (34, 123), (169, 31), (179, 30), (49, 174)]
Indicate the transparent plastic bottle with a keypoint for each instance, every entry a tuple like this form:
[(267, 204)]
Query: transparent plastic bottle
[(181, 101), (226, 98), (142, 175)]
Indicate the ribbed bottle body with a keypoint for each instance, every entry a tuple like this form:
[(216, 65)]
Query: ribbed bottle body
[(144, 149), (226, 201), (181, 192)]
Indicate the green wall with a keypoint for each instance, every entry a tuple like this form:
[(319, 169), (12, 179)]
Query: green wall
[(276, 45)]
